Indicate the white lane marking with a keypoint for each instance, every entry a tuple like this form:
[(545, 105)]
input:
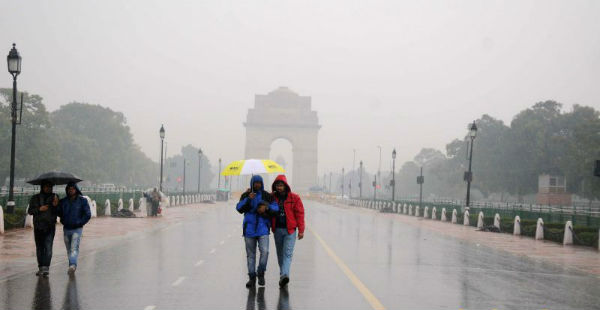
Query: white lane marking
[(178, 281), (213, 251), (151, 307), (200, 262), (222, 242)]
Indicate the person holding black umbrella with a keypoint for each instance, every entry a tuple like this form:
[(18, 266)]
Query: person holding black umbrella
[(43, 207)]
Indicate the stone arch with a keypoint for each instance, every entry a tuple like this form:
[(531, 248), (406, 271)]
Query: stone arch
[(283, 114)]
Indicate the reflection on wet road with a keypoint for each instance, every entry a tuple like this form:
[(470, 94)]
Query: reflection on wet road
[(350, 258)]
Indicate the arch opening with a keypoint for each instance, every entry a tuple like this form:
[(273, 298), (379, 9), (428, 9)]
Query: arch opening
[(281, 151)]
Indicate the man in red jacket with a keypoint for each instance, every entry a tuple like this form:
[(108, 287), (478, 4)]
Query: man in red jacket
[(289, 218)]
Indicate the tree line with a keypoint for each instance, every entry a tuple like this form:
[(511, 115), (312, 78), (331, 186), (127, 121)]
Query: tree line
[(91, 141), (507, 159)]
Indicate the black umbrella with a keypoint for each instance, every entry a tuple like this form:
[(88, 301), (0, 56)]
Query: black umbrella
[(55, 177)]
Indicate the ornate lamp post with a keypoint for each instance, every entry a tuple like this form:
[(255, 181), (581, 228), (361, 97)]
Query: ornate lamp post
[(200, 167), (342, 183), (360, 180), (469, 174), (14, 68), (162, 142), (394, 175), (219, 182), (420, 181)]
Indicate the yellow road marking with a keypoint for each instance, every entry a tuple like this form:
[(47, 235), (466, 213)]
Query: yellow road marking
[(370, 297)]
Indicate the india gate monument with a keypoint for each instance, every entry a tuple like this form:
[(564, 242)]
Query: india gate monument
[(283, 114)]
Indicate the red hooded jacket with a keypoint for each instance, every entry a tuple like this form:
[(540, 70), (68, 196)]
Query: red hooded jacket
[(294, 210)]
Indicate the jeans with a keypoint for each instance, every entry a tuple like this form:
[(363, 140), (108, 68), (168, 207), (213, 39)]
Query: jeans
[(72, 240), (284, 243), (263, 246), (43, 245)]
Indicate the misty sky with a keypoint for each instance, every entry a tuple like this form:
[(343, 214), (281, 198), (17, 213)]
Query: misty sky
[(404, 74)]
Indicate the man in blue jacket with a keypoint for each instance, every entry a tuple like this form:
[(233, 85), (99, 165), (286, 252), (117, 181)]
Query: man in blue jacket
[(258, 208), (74, 212)]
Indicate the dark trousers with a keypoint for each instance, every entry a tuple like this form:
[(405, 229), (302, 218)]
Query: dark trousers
[(154, 209), (43, 245)]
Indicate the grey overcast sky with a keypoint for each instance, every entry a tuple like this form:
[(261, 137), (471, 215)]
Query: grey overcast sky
[(404, 74)]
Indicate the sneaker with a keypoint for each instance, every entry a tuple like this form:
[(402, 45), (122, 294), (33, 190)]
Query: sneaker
[(251, 282), (45, 271), (261, 279), (71, 270), (40, 271), (284, 281)]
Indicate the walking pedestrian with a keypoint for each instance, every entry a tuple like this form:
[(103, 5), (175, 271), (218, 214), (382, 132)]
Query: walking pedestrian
[(74, 212), (155, 199), (43, 207), (258, 207), (289, 219)]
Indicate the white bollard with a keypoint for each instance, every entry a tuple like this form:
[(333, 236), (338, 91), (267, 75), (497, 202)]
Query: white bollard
[(417, 213), (480, 220), (1, 220), (517, 227), (130, 207), (410, 210), (497, 220), (176, 200), (466, 218), (454, 216), (143, 209), (28, 219), (539, 230), (443, 218), (405, 209), (107, 207), (434, 213), (568, 236), (94, 209), (120, 205), (426, 212)]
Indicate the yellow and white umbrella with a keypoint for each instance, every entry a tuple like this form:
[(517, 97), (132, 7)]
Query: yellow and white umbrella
[(252, 166)]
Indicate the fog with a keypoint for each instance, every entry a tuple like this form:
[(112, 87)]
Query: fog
[(392, 73)]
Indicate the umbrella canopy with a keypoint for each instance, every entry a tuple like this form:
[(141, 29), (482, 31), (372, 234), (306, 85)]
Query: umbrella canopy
[(252, 166), (55, 177)]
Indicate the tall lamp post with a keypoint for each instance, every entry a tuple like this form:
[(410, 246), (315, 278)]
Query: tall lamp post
[(394, 175), (360, 180), (378, 168), (219, 182), (162, 142), (14, 68), (375, 189), (342, 183), (184, 164), (469, 174), (200, 167), (420, 181)]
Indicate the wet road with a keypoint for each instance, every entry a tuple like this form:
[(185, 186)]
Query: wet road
[(350, 258)]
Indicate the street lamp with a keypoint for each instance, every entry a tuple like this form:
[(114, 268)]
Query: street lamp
[(200, 167), (162, 142), (219, 182), (342, 183), (360, 180), (420, 181), (14, 68), (379, 167), (393, 175), (184, 164), (375, 189), (469, 175)]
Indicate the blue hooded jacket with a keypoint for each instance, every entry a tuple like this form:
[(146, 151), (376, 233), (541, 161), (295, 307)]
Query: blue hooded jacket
[(256, 225), (74, 213)]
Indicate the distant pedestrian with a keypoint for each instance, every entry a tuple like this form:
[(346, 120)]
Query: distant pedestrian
[(43, 207), (155, 200), (74, 212), (289, 218), (258, 208)]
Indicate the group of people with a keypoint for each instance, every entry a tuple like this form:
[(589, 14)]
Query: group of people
[(74, 212), (154, 199), (281, 212)]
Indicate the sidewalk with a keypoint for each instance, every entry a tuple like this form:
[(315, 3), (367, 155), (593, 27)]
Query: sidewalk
[(583, 259), (17, 247)]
